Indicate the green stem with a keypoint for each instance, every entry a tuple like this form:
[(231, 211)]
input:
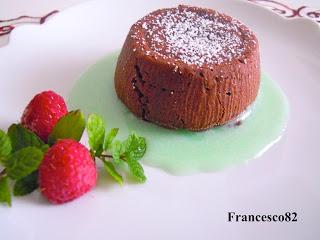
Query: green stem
[(110, 156), (103, 159)]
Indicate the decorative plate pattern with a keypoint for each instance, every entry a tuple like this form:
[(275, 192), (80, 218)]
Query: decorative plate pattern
[(289, 12), (7, 26)]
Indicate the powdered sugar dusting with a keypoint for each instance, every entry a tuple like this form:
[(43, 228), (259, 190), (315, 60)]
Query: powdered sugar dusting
[(192, 37)]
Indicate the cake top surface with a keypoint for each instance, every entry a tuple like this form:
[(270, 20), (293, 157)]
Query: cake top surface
[(192, 35)]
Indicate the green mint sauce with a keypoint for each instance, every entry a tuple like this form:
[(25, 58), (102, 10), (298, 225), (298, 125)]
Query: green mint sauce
[(182, 152)]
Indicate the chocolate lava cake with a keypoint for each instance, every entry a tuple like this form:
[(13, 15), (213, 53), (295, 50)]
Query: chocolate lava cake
[(188, 67)]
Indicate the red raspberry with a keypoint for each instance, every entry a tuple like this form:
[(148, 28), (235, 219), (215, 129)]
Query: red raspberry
[(43, 112), (66, 172)]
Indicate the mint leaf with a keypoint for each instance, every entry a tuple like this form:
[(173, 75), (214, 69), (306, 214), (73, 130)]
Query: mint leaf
[(71, 126), (45, 148), (117, 150), (21, 137), (108, 166), (26, 185), (96, 131), (5, 195), (5, 145), (136, 170), (135, 147), (109, 138), (23, 162)]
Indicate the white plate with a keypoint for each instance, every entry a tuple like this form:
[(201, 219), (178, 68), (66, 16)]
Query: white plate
[(285, 179)]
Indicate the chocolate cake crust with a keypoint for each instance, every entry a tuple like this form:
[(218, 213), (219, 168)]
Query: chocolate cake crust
[(188, 67)]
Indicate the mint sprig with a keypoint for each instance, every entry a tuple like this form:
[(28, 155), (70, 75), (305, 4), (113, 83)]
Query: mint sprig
[(112, 152), (96, 132), (5, 145), (71, 126), (21, 137), (109, 138), (109, 167), (134, 147), (26, 185), (5, 195), (23, 162), (21, 154), (117, 151), (136, 169)]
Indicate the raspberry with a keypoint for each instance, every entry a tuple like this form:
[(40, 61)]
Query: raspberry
[(66, 172), (43, 112)]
